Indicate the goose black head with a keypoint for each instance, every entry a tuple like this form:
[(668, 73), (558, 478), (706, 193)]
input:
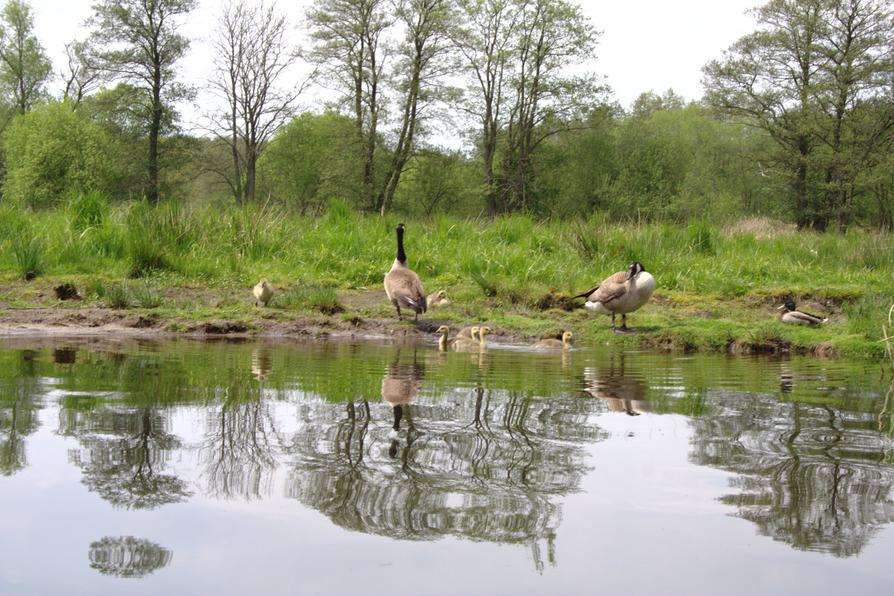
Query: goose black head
[(635, 268)]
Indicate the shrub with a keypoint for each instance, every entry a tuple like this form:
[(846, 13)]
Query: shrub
[(53, 151)]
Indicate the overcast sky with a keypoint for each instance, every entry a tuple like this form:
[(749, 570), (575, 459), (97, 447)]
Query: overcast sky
[(645, 45)]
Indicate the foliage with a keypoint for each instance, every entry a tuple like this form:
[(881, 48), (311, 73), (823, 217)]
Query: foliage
[(25, 67), (308, 162), (138, 43), (54, 151)]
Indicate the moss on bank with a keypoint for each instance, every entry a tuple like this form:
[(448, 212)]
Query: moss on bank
[(675, 321)]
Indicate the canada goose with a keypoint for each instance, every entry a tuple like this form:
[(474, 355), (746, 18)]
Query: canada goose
[(402, 286), (263, 292), (623, 292), (437, 299), (463, 344), (554, 344), (790, 314)]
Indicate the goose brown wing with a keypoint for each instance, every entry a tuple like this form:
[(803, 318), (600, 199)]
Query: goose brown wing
[(405, 286), (612, 288)]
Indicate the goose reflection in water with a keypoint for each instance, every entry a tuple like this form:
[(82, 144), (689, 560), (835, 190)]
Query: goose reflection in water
[(261, 363), (620, 392), (400, 386)]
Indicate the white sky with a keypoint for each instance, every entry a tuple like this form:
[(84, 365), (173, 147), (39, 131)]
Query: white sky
[(645, 45)]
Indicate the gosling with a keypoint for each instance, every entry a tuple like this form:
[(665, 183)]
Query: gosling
[(444, 330), (263, 292), (555, 344), (463, 344), (437, 299)]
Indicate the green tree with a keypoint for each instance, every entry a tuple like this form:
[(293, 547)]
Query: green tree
[(53, 151), (310, 160), (484, 36), (121, 111), (437, 179), (853, 98), (423, 61), (136, 41), (815, 76), (349, 49), (766, 79), (251, 57), (24, 65), (545, 98)]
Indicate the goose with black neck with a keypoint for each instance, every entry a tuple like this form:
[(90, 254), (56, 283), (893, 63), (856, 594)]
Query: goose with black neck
[(402, 286)]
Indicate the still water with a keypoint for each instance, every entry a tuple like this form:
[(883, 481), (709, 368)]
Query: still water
[(374, 468)]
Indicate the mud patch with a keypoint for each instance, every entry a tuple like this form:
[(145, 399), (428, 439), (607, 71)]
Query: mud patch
[(224, 327), (556, 300)]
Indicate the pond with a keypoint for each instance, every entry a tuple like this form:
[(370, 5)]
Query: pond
[(186, 467)]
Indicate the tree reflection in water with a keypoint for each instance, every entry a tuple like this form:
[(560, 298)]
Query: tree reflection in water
[(240, 446), (123, 454), (808, 475), (126, 556), (421, 445), (484, 465), (19, 407)]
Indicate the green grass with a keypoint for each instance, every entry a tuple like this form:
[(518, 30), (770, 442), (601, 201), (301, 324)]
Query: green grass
[(28, 252), (715, 288), (324, 300)]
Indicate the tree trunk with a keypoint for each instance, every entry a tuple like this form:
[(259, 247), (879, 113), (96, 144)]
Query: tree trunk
[(251, 161), (489, 151), (155, 130), (802, 217)]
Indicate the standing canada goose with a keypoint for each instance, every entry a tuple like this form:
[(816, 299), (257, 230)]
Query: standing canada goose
[(437, 299), (623, 292), (464, 344), (555, 344), (402, 286), (263, 292), (791, 315)]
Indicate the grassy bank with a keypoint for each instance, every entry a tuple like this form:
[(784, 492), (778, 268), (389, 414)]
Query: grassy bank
[(182, 266)]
